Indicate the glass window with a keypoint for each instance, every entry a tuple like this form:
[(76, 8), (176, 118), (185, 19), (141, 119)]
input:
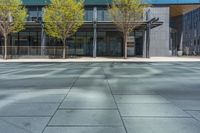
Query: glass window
[(33, 39), (103, 15), (35, 13), (89, 15), (100, 15), (107, 16), (14, 39), (24, 39)]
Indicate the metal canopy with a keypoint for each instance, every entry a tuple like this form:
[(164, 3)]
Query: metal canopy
[(145, 26), (110, 25)]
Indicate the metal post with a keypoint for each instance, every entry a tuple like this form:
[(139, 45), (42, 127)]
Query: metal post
[(148, 32), (43, 40), (43, 35), (95, 32), (95, 42), (148, 40)]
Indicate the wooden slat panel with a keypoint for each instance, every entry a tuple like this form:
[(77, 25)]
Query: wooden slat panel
[(176, 10)]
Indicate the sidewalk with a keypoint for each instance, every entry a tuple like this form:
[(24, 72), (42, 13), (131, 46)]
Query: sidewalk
[(108, 59), (99, 98)]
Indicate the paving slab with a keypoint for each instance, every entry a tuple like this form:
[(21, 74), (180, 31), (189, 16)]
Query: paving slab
[(35, 98), (33, 72), (23, 124), (89, 100), (70, 71), (184, 92), (125, 71), (37, 83), (28, 109), (140, 99), (93, 71), (128, 84), (90, 90), (86, 118), (28, 91), (161, 125), (188, 104), (95, 82), (84, 130), (142, 92), (164, 110), (131, 91)]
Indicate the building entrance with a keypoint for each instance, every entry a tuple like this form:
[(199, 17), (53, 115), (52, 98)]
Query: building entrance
[(109, 44)]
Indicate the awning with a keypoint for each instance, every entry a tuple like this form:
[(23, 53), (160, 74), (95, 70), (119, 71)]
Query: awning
[(176, 10)]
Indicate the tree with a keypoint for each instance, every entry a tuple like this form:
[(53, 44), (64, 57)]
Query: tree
[(63, 18), (12, 19), (126, 15)]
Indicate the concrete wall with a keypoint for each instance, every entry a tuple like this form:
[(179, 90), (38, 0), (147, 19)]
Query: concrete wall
[(160, 36)]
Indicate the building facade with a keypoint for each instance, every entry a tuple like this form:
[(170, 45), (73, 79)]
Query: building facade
[(178, 30)]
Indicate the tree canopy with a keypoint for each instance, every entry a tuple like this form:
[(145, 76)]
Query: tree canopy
[(127, 15), (12, 19), (63, 17), (12, 16)]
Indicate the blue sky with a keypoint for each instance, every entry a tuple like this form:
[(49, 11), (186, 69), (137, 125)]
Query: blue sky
[(171, 1)]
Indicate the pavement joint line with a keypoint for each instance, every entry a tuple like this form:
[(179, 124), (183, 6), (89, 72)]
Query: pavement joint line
[(87, 109), (144, 103), (85, 125), (123, 123), (191, 110), (26, 116), (18, 103), (75, 80), (156, 116), (193, 116), (152, 103)]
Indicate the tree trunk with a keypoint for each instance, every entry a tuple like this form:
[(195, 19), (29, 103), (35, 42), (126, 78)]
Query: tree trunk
[(64, 49), (5, 47), (125, 45)]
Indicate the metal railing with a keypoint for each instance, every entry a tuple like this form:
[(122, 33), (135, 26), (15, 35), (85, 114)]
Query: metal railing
[(46, 51)]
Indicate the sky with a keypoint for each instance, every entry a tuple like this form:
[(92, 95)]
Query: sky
[(172, 1)]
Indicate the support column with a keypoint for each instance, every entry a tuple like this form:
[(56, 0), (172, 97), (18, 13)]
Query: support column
[(95, 42), (95, 32), (144, 44), (43, 36), (43, 40), (148, 32)]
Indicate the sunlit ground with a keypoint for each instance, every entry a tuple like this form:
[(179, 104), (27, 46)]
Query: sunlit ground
[(100, 98)]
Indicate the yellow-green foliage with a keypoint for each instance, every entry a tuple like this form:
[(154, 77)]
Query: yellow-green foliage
[(12, 9), (125, 13), (63, 17)]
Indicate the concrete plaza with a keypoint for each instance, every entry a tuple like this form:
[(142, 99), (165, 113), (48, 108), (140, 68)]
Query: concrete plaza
[(100, 97)]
